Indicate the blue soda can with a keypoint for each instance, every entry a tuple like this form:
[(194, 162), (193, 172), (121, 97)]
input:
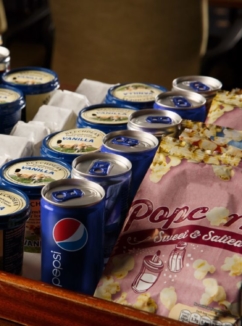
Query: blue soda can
[(36, 83), (72, 229), (14, 212), (189, 105), (104, 117), (203, 85), (12, 104), (138, 147), (139, 95), (68, 144), (159, 123), (113, 173)]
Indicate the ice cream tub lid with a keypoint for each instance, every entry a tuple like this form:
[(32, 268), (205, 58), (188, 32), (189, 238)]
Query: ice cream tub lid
[(32, 80), (106, 114), (14, 207), (132, 93), (11, 99), (72, 143), (30, 174)]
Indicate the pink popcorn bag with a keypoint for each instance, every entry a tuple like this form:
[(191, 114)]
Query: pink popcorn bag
[(179, 253), (226, 109)]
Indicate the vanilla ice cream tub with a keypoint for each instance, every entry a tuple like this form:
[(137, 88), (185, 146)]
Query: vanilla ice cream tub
[(139, 95), (69, 144), (105, 117), (30, 174), (14, 212), (37, 85), (12, 103), (179, 253)]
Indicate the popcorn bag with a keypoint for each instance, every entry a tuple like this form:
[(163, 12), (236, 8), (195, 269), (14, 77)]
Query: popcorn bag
[(179, 253), (226, 109), (212, 138)]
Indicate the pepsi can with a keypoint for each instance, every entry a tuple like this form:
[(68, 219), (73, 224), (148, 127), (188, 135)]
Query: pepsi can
[(189, 105), (113, 173), (72, 230), (203, 85), (160, 123), (138, 147)]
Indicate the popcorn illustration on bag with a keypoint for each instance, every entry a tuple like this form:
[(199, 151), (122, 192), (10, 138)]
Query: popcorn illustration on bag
[(179, 253)]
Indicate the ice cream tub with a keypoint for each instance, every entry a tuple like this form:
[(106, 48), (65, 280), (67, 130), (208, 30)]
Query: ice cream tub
[(69, 144), (37, 85), (29, 175), (139, 95), (11, 105), (105, 117), (14, 212)]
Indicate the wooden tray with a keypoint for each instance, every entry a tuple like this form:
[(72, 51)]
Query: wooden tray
[(28, 302)]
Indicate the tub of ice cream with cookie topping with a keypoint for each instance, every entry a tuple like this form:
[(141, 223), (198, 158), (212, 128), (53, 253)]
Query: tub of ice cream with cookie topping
[(29, 175), (37, 85)]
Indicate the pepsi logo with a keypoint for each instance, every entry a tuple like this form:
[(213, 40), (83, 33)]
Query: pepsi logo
[(70, 234)]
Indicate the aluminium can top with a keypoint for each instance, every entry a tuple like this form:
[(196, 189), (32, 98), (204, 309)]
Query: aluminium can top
[(130, 141), (180, 100), (73, 193), (157, 122), (100, 165), (204, 85)]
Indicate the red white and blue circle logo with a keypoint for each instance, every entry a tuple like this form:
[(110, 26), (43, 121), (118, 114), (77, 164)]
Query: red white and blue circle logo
[(70, 234)]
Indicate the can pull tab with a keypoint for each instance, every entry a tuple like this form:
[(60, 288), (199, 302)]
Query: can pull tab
[(125, 141), (64, 195), (164, 120), (100, 168), (181, 102), (198, 86)]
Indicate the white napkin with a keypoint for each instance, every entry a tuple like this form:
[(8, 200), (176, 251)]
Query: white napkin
[(14, 147), (95, 91), (56, 118), (35, 131), (4, 159), (69, 100)]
